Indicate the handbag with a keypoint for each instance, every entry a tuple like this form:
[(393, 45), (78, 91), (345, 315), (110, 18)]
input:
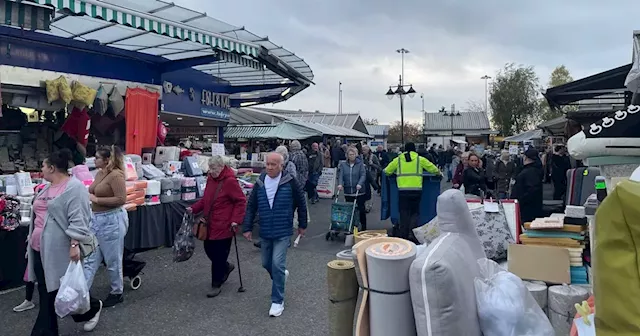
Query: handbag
[(201, 229)]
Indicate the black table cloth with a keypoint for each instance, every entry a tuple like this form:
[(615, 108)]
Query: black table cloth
[(13, 247)]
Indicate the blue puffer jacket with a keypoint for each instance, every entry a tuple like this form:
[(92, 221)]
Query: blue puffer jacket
[(349, 177), (277, 221)]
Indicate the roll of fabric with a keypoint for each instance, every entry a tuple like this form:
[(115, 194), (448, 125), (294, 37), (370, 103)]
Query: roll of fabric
[(538, 290), (562, 299), (390, 307), (343, 293), (368, 234), (345, 255)]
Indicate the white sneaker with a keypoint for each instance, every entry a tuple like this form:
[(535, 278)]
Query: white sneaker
[(276, 309), (24, 306), (286, 275), (92, 323)]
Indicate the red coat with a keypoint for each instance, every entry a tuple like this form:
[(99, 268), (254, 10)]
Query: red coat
[(228, 207)]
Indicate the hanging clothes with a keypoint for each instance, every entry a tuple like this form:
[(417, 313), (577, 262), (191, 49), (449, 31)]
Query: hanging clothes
[(141, 111)]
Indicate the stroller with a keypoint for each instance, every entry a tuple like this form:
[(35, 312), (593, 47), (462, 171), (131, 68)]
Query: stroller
[(132, 268), (343, 218)]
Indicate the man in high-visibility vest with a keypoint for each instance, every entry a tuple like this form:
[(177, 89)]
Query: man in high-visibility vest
[(408, 167)]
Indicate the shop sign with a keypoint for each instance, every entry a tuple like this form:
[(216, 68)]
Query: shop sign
[(190, 100), (327, 183)]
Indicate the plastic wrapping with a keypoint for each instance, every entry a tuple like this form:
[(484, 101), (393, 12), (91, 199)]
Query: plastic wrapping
[(73, 295), (185, 243), (505, 306)]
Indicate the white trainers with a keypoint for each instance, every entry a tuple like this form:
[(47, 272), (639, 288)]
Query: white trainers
[(92, 323), (286, 275), (24, 306), (276, 309)]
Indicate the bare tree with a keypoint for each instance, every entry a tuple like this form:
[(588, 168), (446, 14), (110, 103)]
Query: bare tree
[(370, 121), (474, 105)]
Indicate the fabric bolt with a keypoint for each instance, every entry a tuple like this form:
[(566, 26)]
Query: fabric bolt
[(274, 260), (110, 229), (218, 252), (141, 106), (110, 189), (40, 212)]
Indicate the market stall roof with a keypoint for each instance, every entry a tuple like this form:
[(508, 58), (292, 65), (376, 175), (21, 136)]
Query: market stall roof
[(247, 132), (180, 37), (291, 131), (247, 116), (462, 121), (535, 134), (554, 126), (378, 130), (347, 120)]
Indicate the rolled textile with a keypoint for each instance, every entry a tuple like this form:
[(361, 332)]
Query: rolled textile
[(345, 255), (390, 307), (368, 234), (343, 293), (562, 299), (538, 290)]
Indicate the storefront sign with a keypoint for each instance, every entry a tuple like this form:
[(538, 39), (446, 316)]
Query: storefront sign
[(193, 95), (327, 183)]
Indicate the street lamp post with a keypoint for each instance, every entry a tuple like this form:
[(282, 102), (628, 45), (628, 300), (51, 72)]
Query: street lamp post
[(401, 92), (451, 114), (486, 93)]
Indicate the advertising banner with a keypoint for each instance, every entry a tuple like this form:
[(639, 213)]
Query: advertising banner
[(327, 183)]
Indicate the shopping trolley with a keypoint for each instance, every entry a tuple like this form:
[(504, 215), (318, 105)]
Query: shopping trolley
[(343, 218)]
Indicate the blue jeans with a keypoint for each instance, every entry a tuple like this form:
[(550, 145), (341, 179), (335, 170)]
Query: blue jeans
[(312, 183), (274, 260), (447, 168), (110, 227)]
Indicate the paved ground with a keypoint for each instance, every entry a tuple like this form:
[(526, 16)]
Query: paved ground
[(172, 298)]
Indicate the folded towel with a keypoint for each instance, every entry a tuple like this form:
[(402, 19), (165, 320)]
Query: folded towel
[(565, 228), (547, 223), (548, 234), (560, 242)]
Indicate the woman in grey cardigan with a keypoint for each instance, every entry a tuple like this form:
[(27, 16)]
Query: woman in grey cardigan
[(60, 222), (352, 176)]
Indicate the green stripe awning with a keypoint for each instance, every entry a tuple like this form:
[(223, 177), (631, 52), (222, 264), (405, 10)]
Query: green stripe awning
[(26, 15), (145, 21), (247, 132)]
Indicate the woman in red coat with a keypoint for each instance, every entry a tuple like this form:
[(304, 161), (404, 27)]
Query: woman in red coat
[(223, 205)]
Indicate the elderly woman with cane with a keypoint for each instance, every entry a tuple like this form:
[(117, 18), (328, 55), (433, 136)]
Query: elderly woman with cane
[(223, 207)]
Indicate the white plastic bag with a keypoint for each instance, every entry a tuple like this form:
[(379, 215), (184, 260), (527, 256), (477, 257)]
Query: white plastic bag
[(73, 295), (505, 306)]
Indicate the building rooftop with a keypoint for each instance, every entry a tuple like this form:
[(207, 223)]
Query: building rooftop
[(378, 130), (464, 121)]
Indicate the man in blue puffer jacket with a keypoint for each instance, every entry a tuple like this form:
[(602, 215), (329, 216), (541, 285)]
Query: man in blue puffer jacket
[(275, 197)]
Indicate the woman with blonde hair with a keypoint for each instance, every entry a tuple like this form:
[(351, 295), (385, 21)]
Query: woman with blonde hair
[(109, 221), (223, 206)]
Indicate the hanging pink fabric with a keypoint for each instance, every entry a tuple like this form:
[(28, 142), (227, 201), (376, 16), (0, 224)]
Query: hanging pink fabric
[(141, 115)]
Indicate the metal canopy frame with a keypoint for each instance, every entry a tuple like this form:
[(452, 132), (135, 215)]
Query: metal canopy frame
[(182, 37)]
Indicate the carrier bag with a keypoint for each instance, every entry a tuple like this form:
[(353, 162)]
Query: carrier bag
[(73, 295), (185, 243)]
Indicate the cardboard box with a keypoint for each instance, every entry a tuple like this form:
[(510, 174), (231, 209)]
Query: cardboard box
[(544, 263)]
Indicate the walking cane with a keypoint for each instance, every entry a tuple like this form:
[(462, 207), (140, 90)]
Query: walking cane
[(235, 242)]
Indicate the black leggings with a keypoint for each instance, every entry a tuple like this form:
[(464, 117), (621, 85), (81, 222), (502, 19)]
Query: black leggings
[(218, 253), (30, 288), (362, 209)]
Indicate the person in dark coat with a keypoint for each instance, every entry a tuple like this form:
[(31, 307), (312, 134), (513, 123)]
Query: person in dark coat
[(315, 159), (503, 174), (448, 158), (560, 163), (457, 175), (337, 154), (473, 178), (528, 187), (223, 205)]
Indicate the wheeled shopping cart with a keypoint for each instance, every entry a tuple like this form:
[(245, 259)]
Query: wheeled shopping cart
[(343, 218)]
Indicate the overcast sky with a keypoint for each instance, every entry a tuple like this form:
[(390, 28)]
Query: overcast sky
[(452, 43)]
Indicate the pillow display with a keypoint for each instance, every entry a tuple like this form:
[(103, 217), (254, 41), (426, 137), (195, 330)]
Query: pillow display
[(53, 93), (615, 135), (116, 102), (83, 93), (101, 103), (64, 89), (494, 233)]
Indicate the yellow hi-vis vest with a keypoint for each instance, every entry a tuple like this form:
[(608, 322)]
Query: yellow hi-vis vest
[(409, 174)]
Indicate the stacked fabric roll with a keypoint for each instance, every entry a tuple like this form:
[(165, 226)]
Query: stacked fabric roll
[(562, 300), (368, 234), (189, 188), (538, 290), (343, 293)]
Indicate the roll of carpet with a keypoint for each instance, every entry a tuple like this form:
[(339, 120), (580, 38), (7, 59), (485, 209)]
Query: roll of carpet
[(538, 290), (364, 235), (345, 255), (343, 293), (390, 307), (562, 299)]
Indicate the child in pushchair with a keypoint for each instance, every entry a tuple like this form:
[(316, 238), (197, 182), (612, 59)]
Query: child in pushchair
[(132, 268)]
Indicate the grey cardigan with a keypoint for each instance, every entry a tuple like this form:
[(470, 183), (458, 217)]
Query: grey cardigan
[(68, 217)]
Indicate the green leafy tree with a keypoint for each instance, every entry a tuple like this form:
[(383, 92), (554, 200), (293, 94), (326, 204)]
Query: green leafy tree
[(514, 99), (559, 76)]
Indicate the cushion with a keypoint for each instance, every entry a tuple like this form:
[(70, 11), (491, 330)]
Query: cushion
[(116, 102), (101, 103), (83, 93), (494, 233)]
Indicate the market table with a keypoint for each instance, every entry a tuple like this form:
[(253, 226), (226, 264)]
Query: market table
[(152, 226), (13, 247)]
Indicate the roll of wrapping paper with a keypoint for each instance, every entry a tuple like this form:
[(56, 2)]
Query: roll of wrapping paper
[(561, 303), (345, 255), (343, 294), (390, 307), (368, 234)]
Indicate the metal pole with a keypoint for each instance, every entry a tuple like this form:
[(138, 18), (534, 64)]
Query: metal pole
[(486, 93), (339, 97)]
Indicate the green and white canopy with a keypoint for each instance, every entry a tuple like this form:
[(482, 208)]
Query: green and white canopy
[(163, 29)]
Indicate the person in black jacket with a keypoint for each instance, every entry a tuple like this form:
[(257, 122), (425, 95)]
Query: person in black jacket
[(528, 187), (559, 164), (473, 178)]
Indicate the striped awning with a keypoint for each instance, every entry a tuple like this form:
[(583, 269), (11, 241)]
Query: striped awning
[(247, 132), (109, 11), (26, 15)]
